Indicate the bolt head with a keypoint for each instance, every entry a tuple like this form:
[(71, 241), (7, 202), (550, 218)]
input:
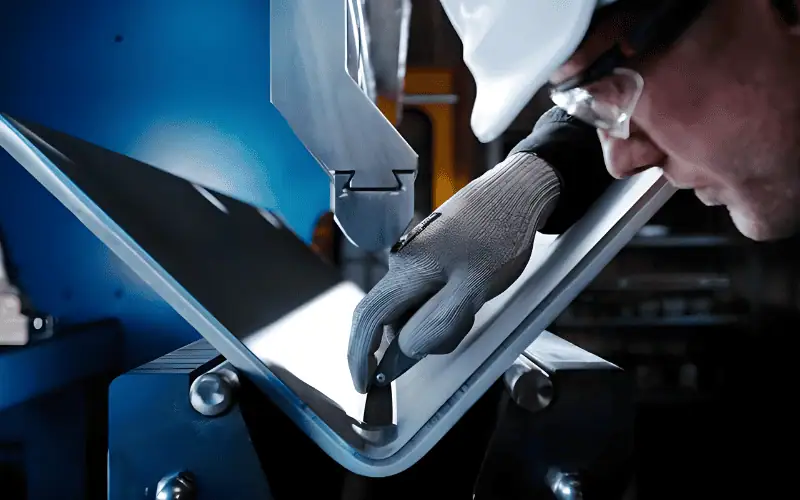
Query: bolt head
[(178, 486), (211, 395)]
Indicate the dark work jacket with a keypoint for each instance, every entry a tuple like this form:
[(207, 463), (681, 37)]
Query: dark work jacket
[(573, 149)]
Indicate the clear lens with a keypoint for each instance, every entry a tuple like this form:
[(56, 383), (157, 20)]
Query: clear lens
[(606, 104)]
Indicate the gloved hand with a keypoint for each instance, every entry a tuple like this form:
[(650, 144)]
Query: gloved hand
[(467, 252), (477, 244)]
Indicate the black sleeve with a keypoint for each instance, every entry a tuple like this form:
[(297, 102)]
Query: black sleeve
[(573, 149)]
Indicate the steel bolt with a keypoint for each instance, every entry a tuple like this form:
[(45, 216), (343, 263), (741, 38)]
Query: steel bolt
[(529, 386), (180, 486), (211, 394), (564, 486)]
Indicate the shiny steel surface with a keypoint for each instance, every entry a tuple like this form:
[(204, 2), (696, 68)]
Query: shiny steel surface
[(372, 166), (214, 392), (565, 486), (298, 357), (389, 23), (211, 395), (434, 394), (357, 51), (180, 486), (529, 385)]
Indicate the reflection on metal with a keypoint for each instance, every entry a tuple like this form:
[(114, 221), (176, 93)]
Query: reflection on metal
[(389, 22), (504, 327), (564, 486), (529, 385), (372, 167), (180, 486), (359, 61), (213, 393)]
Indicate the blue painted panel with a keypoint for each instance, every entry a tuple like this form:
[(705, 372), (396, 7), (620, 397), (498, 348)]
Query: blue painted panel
[(179, 84), (52, 438), (67, 272)]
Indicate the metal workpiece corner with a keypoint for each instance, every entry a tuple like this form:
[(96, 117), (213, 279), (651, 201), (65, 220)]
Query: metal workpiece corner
[(372, 167)]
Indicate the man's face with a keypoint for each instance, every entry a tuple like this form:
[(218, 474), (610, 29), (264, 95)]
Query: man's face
[(720, 113)]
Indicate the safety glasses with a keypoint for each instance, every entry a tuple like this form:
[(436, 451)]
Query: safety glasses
[(605, 95), (606, 104)]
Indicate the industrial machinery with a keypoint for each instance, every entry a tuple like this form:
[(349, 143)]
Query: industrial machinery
[(291, 347), (195, 194), (188, 425)]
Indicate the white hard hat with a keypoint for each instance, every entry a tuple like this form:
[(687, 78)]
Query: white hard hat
[(511, 47)]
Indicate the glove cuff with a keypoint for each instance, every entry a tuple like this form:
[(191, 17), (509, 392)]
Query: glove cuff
[(572, 148), (544, 183), (526, 183)]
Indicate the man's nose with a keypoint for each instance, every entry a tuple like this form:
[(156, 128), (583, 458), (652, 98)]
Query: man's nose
[(628, 157)]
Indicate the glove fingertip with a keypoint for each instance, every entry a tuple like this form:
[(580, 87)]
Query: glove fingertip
[(365, 334), (359, 372), (438, 331)]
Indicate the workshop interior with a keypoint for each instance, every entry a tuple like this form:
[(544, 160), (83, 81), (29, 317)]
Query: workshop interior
[(175, 176)]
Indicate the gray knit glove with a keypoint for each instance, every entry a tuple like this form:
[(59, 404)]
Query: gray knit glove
[(442, 272)]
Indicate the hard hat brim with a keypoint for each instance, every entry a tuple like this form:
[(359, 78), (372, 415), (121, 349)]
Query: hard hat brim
[(512, 52)]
